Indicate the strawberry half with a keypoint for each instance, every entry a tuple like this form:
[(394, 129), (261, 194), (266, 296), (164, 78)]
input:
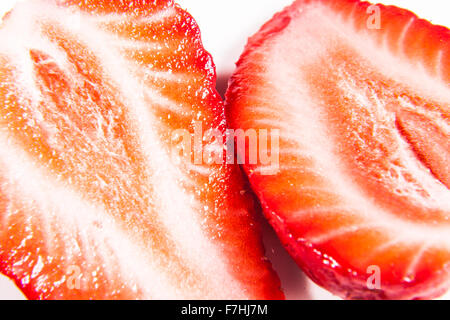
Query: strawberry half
[(361, 96), (92, 205)]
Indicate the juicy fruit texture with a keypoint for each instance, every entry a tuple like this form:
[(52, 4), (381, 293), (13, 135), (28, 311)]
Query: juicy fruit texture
[(92, 207), (364, 125)]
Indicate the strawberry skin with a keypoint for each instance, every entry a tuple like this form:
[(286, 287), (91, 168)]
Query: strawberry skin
[(91, 204), (363, 175)]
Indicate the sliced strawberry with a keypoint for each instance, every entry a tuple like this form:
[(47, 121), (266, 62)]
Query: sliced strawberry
[(364, 160), (92, 207)]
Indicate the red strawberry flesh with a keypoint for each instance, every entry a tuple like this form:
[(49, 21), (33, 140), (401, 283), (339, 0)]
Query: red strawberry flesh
[(364, 123), (91, 205)]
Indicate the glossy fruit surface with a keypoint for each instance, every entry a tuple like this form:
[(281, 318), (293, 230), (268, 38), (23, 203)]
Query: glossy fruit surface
[(361, 96), (92, 205)]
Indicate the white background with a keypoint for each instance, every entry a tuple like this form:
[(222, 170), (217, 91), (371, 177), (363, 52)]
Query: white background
[(225, 26)]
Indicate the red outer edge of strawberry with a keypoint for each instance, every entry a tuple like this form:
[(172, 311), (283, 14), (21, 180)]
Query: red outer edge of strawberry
[(307, 256), (336, 279), (272, 292), (205, 61), (26, 290)]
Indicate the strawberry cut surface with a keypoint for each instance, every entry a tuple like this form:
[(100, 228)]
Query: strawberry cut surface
[(363, 113), (92, 206)]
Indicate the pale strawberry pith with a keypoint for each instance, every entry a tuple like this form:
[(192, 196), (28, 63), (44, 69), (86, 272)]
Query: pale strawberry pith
[(364, 120), (90, 92)]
